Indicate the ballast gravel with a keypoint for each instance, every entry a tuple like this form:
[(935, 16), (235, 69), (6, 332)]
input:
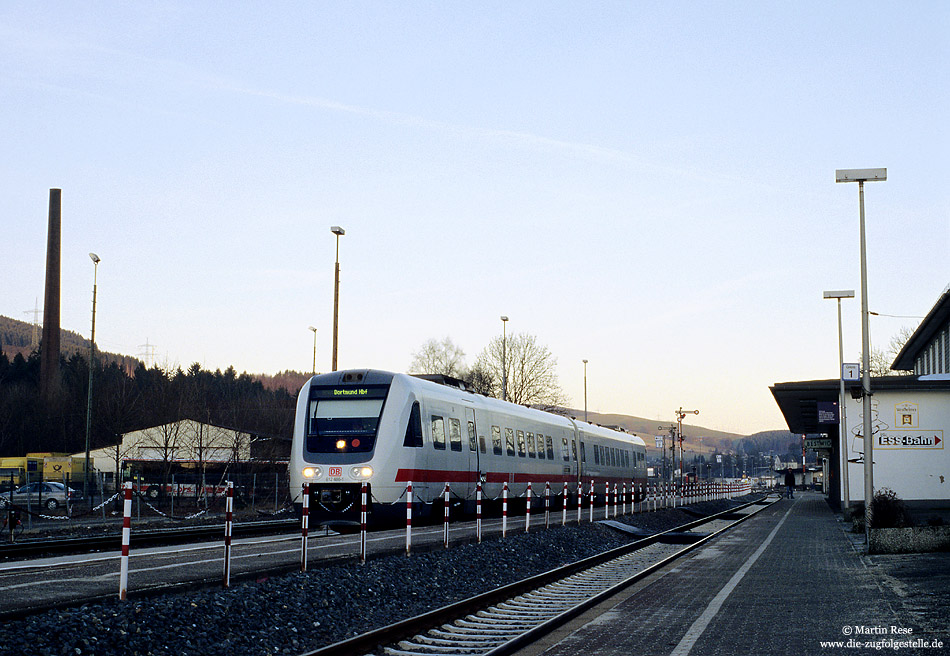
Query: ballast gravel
[(295, 613)]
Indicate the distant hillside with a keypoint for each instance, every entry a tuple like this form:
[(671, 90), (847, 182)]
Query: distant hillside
[(647, 428), (16, 338)]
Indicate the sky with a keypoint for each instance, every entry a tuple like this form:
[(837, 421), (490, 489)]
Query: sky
[(649, 186)]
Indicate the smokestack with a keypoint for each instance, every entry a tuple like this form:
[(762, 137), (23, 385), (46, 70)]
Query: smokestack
[(49, 352)]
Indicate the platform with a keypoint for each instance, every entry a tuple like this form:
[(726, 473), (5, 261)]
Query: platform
[(789, 581)]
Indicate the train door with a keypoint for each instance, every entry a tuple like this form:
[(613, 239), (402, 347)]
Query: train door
[(470, 446)]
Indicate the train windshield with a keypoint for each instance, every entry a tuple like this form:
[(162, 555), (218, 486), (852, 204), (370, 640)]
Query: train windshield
[(344, 424)]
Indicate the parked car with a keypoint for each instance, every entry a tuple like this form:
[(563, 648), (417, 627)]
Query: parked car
[(50, 494)]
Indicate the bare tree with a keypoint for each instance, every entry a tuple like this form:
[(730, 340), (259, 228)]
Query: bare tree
[(439, 357), (881, 361), (531, 376)]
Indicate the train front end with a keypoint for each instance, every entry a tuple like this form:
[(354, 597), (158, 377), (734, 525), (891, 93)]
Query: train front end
[(339, 443)]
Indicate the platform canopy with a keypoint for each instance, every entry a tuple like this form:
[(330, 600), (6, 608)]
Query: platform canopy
[(798, 401)]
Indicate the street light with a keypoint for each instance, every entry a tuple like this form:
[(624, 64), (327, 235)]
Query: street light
[(338, 231), (314, 370), (861, 176), (504, 358), (585, 390), (92, 362), (842, 415)]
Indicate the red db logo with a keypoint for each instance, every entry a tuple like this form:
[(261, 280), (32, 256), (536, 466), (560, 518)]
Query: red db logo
[(336, 471)]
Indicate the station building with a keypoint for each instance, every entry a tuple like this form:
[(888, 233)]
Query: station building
[(910, 419), (186, 445)]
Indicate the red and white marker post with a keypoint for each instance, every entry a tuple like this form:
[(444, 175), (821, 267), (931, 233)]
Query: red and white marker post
[(504, 509), (126, 534), (591, 501), (547, 505), (363, 501), (478, 511), (408, 517), (527, 510), (445, 525), (564, 506), (304, 526), (580, 501), (228, 527)]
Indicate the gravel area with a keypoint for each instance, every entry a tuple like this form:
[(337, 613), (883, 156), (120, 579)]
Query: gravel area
[(300, 612)]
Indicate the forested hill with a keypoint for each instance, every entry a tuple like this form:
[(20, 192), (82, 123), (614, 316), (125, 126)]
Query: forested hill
[(16, 338)]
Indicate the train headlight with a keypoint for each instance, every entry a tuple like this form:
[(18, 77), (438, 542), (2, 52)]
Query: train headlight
[(362, 472), (340, 445), (312, 472)]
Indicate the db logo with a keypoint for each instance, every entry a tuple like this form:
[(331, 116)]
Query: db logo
[(336, 471)]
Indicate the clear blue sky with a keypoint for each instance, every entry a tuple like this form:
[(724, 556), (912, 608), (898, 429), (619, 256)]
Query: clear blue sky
[(647, 185)]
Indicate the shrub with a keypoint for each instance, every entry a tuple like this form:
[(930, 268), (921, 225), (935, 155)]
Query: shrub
[(889, 511)]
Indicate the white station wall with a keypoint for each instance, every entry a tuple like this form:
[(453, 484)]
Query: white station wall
[(911, 456)]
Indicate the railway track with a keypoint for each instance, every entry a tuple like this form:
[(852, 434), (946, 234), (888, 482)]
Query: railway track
[(509, 618), (32, 548)]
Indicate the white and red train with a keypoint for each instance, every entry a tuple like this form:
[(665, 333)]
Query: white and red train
[(388, 429)]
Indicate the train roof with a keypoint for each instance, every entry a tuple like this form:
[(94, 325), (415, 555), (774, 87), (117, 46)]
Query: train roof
[(448, 384)]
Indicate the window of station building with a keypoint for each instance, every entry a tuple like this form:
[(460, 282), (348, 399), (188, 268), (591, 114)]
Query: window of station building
[(549, 441), (438, 432), (521, 444), (455, 434), (414, 429), (565, 450), (471, 437), (532, 452), (510, 441), (496, 440)]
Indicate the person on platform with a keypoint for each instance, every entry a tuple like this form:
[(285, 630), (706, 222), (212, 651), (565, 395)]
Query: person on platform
[(789, 484)]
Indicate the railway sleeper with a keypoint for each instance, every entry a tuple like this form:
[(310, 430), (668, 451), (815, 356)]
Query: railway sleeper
[(416, 648)]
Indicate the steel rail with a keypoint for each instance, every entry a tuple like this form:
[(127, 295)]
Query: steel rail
[(30, 547), (373, 640)]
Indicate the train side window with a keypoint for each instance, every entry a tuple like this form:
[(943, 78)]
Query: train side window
[(481, 444), (574, 450), (414, 429), (550, 444), (596, 454), (510, 441), (613, 456), (438, 432), (565, 450), (521, 443), (532, 452), (583, 455), (455, 434), (496, 440), (471, 437)]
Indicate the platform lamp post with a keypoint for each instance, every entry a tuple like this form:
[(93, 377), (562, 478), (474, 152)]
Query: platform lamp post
[(842, 413), (504, 358), (861, 176), (585, 391), (338, 231), (314, 370), (92, 361)]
